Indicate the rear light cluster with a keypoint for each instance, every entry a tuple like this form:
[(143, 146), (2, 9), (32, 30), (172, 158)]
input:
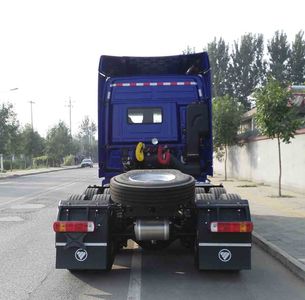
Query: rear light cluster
[(231, 227), (73, 226)]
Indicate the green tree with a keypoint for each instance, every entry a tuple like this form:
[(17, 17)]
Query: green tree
[(86, 136), (219, 61), (32, 144), (58, 143), (297, 59), (279, 53), (189, 50), (247, 68), (227, 113), (274, 117), (9, 131)]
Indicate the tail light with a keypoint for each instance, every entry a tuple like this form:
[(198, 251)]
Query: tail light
[(231, 227), (73, 226)]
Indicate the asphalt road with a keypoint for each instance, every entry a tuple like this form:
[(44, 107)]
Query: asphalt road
[(27, 211)]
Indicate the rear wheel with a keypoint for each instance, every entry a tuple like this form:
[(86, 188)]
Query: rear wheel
[(104, 198), (106, 191), (90, 192), (75, 197), (205, 197), (217, 191), (229, 197), (200, 190)]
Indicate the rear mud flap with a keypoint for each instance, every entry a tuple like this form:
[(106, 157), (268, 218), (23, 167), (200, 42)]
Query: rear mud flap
[(93, 256), (222, 251), (224, 256), (84, 251)]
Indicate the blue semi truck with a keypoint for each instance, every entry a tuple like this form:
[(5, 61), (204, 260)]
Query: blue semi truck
[(155, 154)]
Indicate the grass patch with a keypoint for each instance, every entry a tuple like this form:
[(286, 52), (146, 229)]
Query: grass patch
[(247, 185)]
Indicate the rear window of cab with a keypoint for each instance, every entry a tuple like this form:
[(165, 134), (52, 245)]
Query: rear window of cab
[(144, 115)]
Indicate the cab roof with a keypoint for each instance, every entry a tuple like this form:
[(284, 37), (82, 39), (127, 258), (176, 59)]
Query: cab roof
[(190, 64)]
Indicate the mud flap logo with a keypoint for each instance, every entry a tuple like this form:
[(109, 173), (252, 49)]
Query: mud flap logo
[(81, 254), (224, 255)]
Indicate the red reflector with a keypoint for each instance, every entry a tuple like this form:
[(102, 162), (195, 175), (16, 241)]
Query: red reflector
[(231, 227), (73, 226)]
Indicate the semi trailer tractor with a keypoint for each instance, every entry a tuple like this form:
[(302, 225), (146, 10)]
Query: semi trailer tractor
[(155, 155)]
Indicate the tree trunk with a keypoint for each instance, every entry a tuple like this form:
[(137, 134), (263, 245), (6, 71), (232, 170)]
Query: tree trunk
[(226, 157), (280, 167), (11, 163)]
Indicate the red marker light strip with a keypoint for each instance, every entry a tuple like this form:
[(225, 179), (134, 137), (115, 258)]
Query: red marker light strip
[(135, 84), (73, 226), (231, 227)]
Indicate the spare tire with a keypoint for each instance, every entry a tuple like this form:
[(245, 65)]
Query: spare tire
[(164, 187)]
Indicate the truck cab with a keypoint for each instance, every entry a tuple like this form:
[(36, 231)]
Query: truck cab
[(163, 105)]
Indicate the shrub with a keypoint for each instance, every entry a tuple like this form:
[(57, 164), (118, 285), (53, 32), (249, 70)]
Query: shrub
[(40, 161), (69, 160)]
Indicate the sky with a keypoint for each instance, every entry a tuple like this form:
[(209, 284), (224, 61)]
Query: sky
[(50, 49)]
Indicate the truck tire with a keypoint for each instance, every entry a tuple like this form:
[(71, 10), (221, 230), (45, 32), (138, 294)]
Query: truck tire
[(90, 192), (166, 187), (102, 198), (75, 197), (205, 197), (107, 191), (217, 191), (200, 190), (229, 197)]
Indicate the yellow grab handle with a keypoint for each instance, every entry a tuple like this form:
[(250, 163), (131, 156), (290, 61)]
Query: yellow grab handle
[(140, 152)]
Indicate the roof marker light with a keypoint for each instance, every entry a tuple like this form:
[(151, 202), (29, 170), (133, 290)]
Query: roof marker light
[(159, 83)]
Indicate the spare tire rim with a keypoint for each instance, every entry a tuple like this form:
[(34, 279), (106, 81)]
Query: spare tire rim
[(152, 177)]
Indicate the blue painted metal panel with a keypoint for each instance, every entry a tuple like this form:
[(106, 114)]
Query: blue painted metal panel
[(124, 132)]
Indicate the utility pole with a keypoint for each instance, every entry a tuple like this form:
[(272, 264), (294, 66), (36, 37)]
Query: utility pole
[(70, 114), (32, 102)]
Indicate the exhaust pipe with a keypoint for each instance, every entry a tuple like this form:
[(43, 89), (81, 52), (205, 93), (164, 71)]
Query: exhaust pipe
[(151, 230)]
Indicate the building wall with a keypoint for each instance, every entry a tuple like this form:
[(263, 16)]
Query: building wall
[(258, 161)]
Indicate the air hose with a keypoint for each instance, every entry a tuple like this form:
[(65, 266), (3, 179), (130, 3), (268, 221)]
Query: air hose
[(140, 152)]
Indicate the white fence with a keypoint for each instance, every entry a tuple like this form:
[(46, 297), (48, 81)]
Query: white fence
[(258, 161)]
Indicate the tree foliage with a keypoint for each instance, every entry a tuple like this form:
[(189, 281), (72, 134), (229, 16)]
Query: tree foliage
[(279, 56), (86, 137), (219, 61), (9, 130), (227, 113), (297, 59), (58, 143), (274, 117), (247, 67), (32, 144)]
